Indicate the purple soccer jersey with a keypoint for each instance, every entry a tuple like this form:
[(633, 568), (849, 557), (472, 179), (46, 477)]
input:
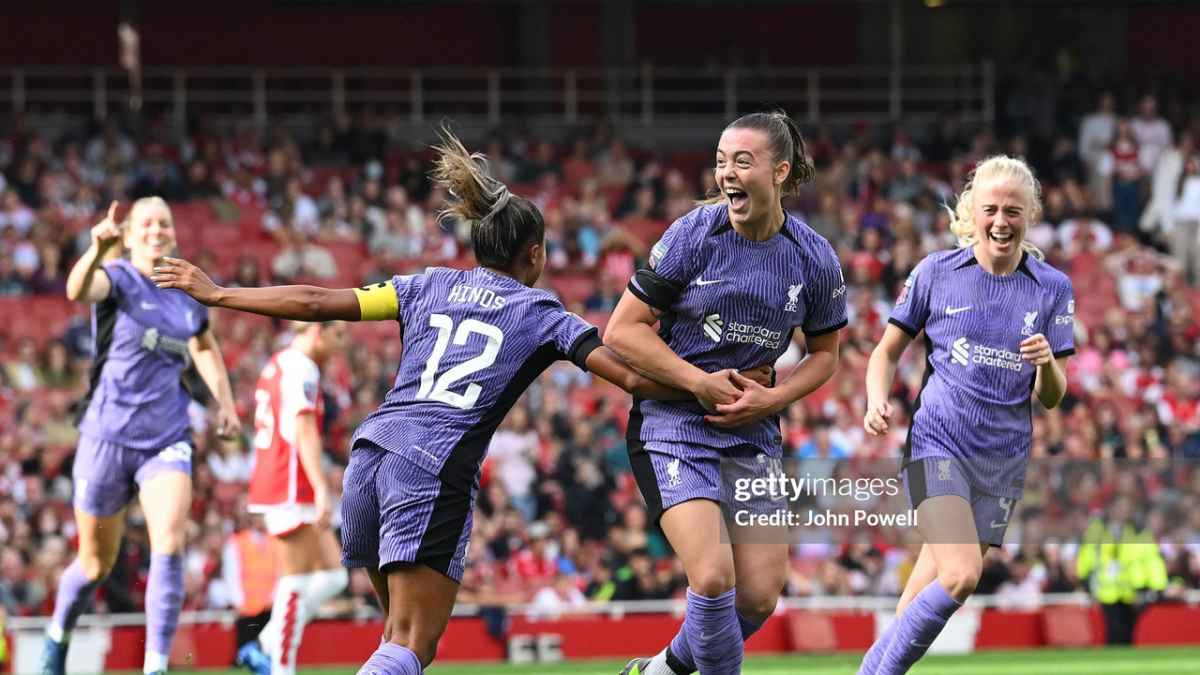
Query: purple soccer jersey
[(141, 332), (729, 302), (474, 340), (975, 403)]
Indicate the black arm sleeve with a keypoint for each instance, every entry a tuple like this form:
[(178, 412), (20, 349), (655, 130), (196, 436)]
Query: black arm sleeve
[(655, 290), (584, 345)]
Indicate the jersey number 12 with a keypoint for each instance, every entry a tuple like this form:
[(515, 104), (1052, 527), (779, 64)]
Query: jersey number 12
[(439, 390)]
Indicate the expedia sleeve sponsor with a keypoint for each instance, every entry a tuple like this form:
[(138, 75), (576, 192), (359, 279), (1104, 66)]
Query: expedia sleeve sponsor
[(1060, 332), (826, 295)]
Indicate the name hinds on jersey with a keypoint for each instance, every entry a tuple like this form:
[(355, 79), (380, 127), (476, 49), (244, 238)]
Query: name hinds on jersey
[(484, 297)]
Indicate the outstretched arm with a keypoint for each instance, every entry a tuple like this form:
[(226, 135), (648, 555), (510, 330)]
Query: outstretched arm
[(299, 303), (604, 363)]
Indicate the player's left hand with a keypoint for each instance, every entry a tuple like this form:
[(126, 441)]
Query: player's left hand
[(755, 403), (1036, 350), (228, 424)]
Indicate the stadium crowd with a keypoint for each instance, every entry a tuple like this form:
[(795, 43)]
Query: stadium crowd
[(560, 521)]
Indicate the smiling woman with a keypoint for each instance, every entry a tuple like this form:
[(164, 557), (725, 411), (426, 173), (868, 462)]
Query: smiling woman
[(761, 158), (134, 438), (728, 283), (1001, 321)]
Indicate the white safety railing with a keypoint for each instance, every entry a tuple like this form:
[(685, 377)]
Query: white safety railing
[(646, 96)]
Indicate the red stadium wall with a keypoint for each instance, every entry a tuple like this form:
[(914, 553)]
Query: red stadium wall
[(593, 637)]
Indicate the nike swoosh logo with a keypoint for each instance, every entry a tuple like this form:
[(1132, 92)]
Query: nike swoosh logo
[(995, 524), (149, 306), (705, 282), (955, 310), (918, 644)]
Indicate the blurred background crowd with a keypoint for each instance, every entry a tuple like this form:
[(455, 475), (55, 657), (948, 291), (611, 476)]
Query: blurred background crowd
[(348, 202)]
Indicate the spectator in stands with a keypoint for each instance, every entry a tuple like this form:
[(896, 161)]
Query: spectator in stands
[(820, 446), (156, 176), (1151, 131), (246, 273), (1183, 224), (1124, 158), (511, 454), (1096, 133), (559, 597), (14, 214), (11, 283), (614, 167), (199, 182), (300, 258), (56, 370)]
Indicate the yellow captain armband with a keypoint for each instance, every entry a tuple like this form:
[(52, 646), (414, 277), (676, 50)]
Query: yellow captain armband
[(377, 302)]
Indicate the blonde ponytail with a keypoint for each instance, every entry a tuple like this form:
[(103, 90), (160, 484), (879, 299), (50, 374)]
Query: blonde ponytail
[(962, 219)]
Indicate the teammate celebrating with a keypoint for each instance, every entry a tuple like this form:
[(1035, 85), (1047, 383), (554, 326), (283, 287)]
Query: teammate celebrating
[(986, 309), (289, 489), (474, 340), (134, 436), (728, 283)]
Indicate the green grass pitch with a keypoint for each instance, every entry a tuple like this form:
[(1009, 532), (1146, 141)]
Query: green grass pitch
[(1151, 661)]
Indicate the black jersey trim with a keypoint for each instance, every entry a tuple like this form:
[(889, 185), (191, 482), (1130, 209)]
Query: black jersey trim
[(439, 541), (105, 317), (654, 289), (462, 464), (837, 326), (460, 472), (1066, 352), (917, 402), (918, 491), (647, 482), (587, 342), (904, 327)]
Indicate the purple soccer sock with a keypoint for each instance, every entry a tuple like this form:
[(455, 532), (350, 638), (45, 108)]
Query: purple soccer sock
[(917, 627), (164, 599), (75, 593), (392, 659), (713, 633), (870, 662), (680, 656)]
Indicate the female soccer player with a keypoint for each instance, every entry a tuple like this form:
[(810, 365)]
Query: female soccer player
[(134, 437), (473, 342), (986, 309), (728, 283)]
